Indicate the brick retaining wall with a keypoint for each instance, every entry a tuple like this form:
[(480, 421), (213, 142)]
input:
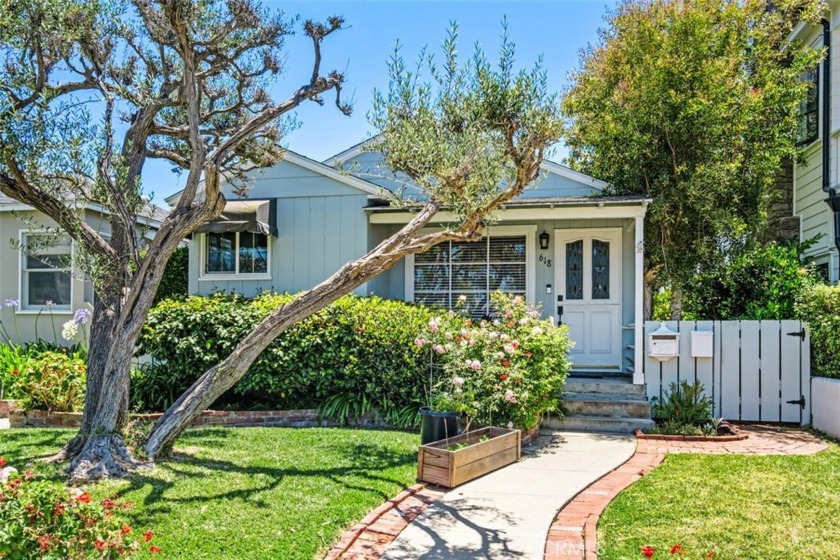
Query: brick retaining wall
[(286, 418)]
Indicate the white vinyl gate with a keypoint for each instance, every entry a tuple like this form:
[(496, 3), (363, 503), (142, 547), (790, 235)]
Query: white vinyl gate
[(760, 370)]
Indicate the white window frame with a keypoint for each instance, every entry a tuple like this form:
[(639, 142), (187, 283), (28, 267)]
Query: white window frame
[(529, 231), (204, 276), (23, 308)]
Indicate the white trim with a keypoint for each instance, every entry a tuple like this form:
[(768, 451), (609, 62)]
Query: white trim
[(529, 231), (22, 308), (20, 207), (638, 304), (223, 276), (349, 153), (583, 212)]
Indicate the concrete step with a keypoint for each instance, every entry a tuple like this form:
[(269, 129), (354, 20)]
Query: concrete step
[(608, 424), (603, 407), (570, 395), (608, 386)]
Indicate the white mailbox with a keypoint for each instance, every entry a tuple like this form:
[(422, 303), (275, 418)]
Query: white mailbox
[(702, 344), (663, 343)]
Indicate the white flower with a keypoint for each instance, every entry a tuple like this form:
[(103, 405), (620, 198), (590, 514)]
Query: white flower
[(472, 342), (438, 348), (523, 321), (448, 336), (6, 472), (458, 381), (510, 425), (468, 362), (464, 342), (536, 331), (509, 349), (510, 396), (500, 354), (504, 336), (450, 313), (434, 324), (462, 298), (448, 347), (534, 313), (508, 313), (476, 365), (69, 330)]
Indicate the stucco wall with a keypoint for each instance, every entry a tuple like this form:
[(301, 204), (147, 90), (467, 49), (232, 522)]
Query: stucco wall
[(825, 407)]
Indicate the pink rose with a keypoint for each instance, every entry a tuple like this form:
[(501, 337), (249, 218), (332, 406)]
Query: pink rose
[(419, 342), (476, 365), (510, 396)]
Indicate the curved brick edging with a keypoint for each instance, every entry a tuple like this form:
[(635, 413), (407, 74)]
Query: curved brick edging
[(573, 533), (368, 539), (664, 437)]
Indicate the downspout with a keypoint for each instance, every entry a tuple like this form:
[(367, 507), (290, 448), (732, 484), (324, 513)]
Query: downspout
[(833, 199)]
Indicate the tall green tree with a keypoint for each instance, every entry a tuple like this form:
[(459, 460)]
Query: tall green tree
[(693, 103)]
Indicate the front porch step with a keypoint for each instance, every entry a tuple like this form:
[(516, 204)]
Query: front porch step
[(621, 386), (607, 424), (612, 405)]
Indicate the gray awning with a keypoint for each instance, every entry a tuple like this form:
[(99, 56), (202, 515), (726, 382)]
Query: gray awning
[(255, 216)]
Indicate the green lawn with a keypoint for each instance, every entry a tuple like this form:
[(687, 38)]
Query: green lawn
[(267, 493), (760, 508)]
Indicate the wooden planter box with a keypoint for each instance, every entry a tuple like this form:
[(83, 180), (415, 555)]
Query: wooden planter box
[(456, 460)]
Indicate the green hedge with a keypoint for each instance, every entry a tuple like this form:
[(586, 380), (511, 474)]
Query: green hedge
[(359, 351), (175, 281), (819, 306)]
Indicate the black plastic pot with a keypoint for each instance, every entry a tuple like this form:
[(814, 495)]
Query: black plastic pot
[(436, 425)]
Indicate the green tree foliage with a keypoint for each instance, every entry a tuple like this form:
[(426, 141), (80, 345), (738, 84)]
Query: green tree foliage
[(176, 280), (694, 104), (819, 306), (762, 283)]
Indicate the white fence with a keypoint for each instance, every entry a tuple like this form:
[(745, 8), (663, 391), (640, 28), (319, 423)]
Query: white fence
[(759, 371)]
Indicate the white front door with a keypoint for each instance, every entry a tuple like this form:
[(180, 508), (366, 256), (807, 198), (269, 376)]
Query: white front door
[(588, 280)]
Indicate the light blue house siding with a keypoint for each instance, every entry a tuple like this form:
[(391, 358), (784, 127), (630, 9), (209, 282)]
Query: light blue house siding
[(321, 225)]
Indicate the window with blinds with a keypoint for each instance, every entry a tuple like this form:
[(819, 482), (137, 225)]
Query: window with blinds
[(451, 270)]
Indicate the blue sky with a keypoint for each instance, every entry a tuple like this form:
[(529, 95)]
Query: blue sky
[(556, 29)]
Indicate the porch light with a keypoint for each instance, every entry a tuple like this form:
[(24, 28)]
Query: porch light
[(544, 240)]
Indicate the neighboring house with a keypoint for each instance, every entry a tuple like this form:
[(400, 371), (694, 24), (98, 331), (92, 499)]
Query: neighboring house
[(816, 178), (560, 244), (41, 278)]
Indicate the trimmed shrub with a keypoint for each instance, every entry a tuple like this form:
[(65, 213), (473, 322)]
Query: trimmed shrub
[(358, 350), (763, 283), (819, 306)]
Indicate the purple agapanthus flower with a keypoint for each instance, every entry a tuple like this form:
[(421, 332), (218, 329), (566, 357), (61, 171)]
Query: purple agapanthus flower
[(81, 316), (12, 302)]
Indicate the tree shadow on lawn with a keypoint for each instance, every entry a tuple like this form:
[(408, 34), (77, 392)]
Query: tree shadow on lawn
[(22, 443), (368, 462)]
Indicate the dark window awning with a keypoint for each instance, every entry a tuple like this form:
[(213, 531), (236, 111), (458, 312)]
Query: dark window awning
[(254, 216)]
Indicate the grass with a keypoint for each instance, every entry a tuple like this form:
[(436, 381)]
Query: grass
[(737, 506), (255, 493)]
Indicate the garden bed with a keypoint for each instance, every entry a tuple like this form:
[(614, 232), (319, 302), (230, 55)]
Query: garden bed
[(459, 459), (664, 437)]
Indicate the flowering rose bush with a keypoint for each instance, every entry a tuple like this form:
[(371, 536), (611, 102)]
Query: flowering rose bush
[(506, 372), (54, 381), (45, 520), (675, 550)]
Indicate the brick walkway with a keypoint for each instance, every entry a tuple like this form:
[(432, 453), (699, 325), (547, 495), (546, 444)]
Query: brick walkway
[(573, 534), (371, 536)]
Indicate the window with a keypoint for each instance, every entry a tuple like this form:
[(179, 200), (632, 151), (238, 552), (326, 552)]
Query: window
[(46, 278), (471, 271), (809, 126), (240, 253)]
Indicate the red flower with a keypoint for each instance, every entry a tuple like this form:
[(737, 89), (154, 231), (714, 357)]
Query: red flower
[(710, 554), (2, 462), (678, 549), (154, 549), (15, 372), (503, 377), (59, 509), (506, 363), (125, 529), (44, 541), (99, 544), (148, 535), (83, 498), (108, 503), (528, 354), (647, 550)]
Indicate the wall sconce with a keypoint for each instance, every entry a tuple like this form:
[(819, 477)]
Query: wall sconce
[(544, 240)]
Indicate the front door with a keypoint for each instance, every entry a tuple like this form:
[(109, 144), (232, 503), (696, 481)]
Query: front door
[(588, 280)]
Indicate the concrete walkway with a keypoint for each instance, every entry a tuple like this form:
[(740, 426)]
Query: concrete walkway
[(506, 514)]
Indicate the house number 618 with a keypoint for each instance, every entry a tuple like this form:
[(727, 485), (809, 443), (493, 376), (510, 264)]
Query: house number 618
[(545, 260)]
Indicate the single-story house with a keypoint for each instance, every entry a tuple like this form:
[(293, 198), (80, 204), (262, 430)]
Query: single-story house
[(40, 288), (561, 244)]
